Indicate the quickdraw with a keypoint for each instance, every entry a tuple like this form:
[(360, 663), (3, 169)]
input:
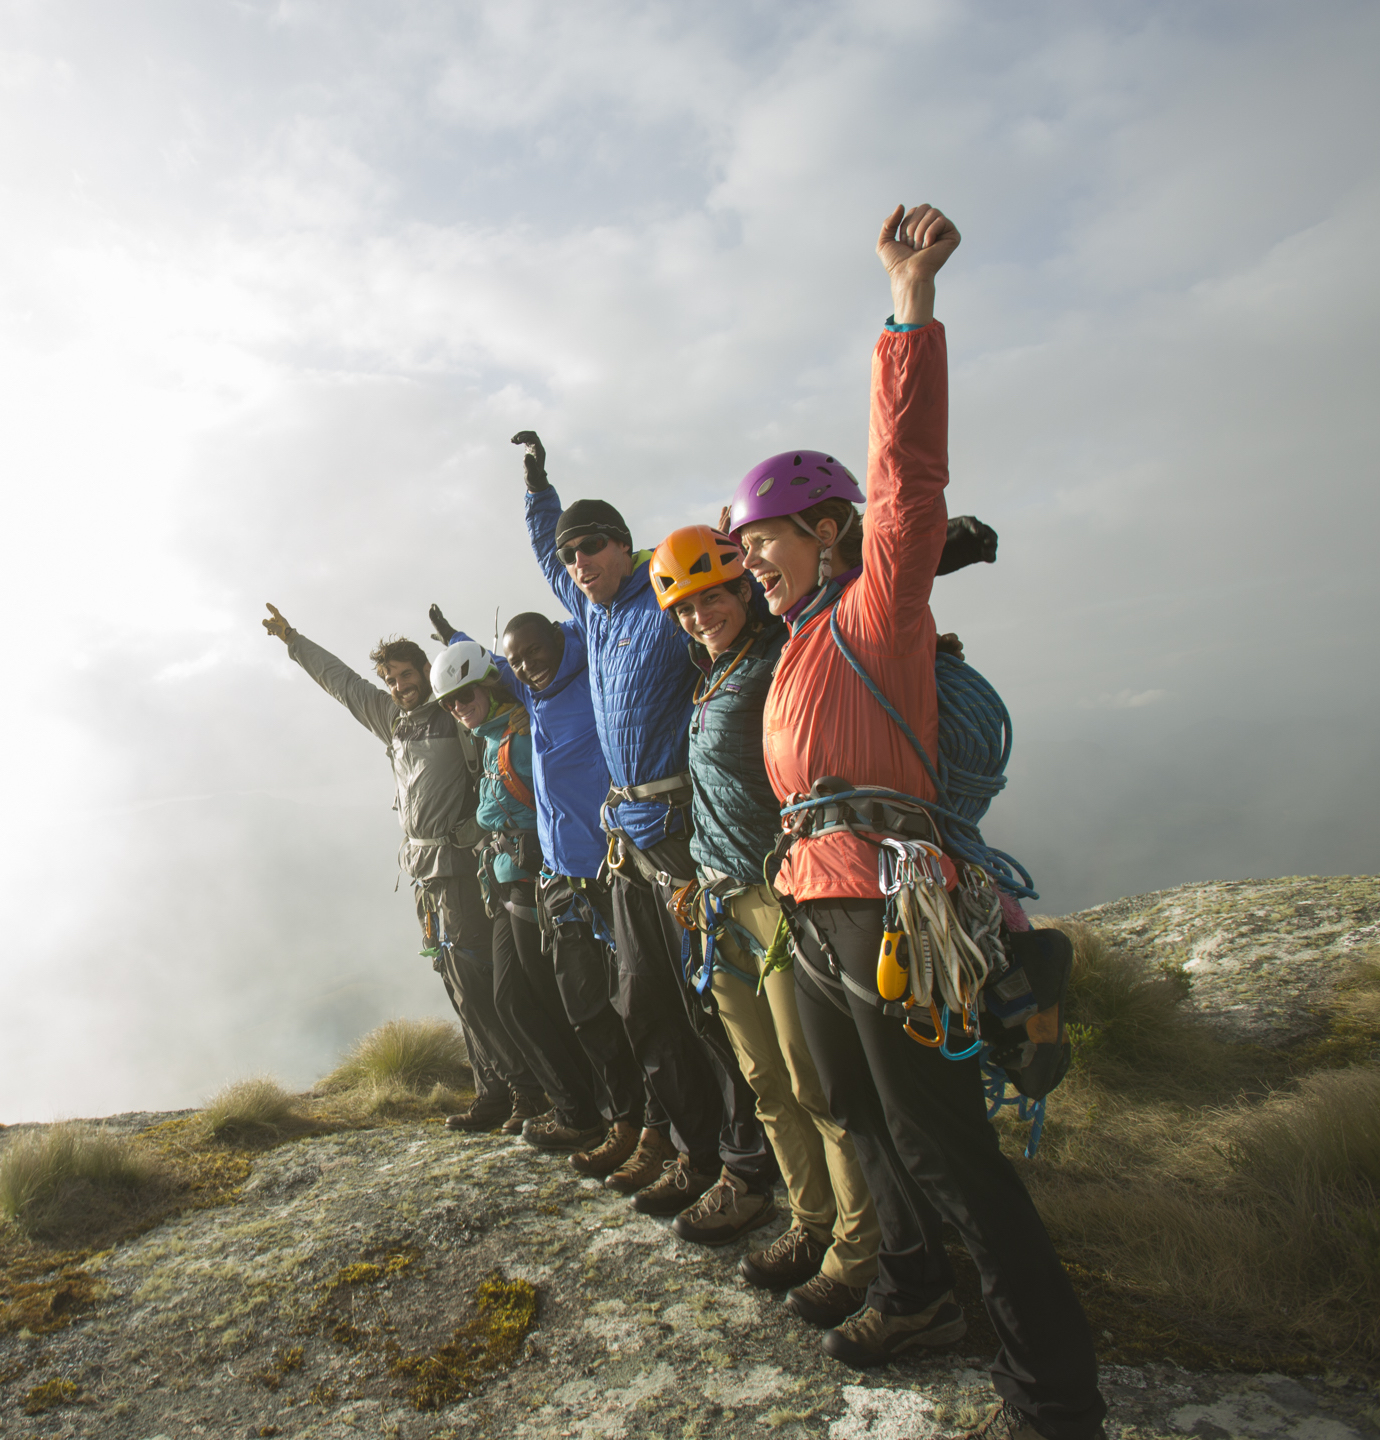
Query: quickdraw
[(926, 946), (696, 907)]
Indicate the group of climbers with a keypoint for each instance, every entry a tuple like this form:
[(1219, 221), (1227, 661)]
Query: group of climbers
[(737, 927)]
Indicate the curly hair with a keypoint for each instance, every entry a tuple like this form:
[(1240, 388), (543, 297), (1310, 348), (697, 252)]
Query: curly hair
[(398, 647)]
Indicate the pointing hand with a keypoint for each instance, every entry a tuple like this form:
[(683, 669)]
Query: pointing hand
[(278, 626)]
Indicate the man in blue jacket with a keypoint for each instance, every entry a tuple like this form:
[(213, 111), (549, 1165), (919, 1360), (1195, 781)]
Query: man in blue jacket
[(641, 679), (545, 668)]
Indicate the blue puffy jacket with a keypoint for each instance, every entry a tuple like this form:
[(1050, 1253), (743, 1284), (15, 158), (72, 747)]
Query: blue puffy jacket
[(569, 776), (641, 678)]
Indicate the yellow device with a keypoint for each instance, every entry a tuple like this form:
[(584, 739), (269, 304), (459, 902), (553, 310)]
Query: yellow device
[(893, 973)]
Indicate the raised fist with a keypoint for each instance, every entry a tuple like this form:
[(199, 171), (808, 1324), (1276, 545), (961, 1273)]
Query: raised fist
[(534, 461)]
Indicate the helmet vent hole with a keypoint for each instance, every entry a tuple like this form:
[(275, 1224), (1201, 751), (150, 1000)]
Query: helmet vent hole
[(797, 459), (464, 669), (702, 566), (766, 484), (800, 479), (824, 470)]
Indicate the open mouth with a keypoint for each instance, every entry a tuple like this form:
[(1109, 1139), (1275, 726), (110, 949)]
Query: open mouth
[(706, 633), (537, 679), (771, 581)]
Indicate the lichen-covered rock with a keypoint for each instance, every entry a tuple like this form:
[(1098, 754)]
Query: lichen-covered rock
[(1265, 955)]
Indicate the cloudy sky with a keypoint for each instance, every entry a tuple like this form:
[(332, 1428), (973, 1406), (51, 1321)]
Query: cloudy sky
[(278, 280)]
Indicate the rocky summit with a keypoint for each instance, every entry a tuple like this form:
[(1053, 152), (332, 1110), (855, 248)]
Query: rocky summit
[(407, 1281), (1264, 955)]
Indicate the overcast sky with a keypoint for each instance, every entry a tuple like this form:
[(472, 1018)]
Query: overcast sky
[(278, 281)]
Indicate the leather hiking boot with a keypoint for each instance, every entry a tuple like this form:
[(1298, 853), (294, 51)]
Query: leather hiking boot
[(1005, 1422), (728, 1209), (791, 1259), (523, 1111), (618, 1144), (645, 1163), (482, 1115), (680, 1185), (549, 1132), (870, 1338), (826, 1302)]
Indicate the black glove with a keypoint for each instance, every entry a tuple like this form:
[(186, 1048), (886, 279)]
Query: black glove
[(534, 461), (444, 629), (969, 541)]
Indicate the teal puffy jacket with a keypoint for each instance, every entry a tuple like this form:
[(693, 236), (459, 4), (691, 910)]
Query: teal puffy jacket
[(736, 812)]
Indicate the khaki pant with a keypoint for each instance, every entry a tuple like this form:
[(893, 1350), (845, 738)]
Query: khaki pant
[(823, 1180)]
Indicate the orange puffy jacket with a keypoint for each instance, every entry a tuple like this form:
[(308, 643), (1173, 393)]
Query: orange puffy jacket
[(820, 719)]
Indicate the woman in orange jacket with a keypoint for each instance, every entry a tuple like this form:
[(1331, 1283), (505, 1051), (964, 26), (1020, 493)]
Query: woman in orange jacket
[(917, 1118)]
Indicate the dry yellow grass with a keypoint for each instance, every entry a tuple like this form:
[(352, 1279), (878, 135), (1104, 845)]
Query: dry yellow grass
[(404, 1068), (254, 1109), (71, 1179), (1203, 1177)]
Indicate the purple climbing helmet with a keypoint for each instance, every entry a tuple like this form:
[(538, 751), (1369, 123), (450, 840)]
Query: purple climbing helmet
[(789, 483)]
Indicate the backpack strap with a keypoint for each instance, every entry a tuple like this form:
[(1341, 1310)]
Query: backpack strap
[(507, 771)]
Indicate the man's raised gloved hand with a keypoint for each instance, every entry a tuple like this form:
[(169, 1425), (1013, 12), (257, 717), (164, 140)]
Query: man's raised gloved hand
[(444, 629), (968, 542), (278, 626), (534, 461)]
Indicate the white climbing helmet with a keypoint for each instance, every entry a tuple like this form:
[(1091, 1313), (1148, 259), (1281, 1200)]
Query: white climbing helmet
[(466, 662)]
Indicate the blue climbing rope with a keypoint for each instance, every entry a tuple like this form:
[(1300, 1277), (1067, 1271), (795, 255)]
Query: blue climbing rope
[(994, 1084), (974, 746)]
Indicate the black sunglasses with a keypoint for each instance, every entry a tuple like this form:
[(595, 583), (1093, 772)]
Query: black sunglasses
[(590, 545), (462, 696)]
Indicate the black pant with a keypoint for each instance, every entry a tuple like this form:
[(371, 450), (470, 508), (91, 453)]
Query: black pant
[(919, 1123), (451, 910), (684, 1051), (530, 1005), (587, 978)]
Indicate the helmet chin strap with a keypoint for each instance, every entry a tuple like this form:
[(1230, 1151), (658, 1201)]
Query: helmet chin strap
[(826, 567)]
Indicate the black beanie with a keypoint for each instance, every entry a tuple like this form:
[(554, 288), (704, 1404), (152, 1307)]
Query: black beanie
[(592, 517)]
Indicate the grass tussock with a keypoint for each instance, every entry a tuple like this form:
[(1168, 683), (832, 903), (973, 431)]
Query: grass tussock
[(251, 1110), (72, 1180), (403, 1068), (1233, 1193)]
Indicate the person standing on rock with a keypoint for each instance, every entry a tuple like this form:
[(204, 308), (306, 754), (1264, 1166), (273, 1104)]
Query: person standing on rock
[(434, 770), (466, 681), (641, 679), (917, 1118)]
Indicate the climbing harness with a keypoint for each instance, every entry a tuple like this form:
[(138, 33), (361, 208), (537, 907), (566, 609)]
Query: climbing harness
[(674, 791), (696, 906)]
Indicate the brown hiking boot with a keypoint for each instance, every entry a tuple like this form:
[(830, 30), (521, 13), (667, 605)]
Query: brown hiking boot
[(791, 1259), (618, 1144), (645, 1163), (523, 1110), (680, 1185), (482, 1115), (1005, 1422), (548, 1132), (826, 1302), (870, 1338), (725, 1211)]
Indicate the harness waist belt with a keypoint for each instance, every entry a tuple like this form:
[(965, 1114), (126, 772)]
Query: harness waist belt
[(620, 793), (880, 817)]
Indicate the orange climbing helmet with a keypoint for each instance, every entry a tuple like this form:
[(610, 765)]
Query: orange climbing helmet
[(693, 559)]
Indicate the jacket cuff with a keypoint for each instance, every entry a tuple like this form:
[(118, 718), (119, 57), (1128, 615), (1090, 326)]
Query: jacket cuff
[(903, 329)]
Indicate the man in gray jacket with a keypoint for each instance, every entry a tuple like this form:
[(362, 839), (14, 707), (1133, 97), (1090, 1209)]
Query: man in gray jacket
[(435, 768)]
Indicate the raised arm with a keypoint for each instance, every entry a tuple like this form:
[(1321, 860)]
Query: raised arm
[(908, 453), (371, 705), (542, 511)]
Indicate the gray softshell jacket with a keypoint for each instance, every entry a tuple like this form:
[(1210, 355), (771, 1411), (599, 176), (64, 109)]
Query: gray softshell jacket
[(434, 767)]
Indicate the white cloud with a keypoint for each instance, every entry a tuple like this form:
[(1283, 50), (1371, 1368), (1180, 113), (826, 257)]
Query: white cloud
[(277, 283)]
